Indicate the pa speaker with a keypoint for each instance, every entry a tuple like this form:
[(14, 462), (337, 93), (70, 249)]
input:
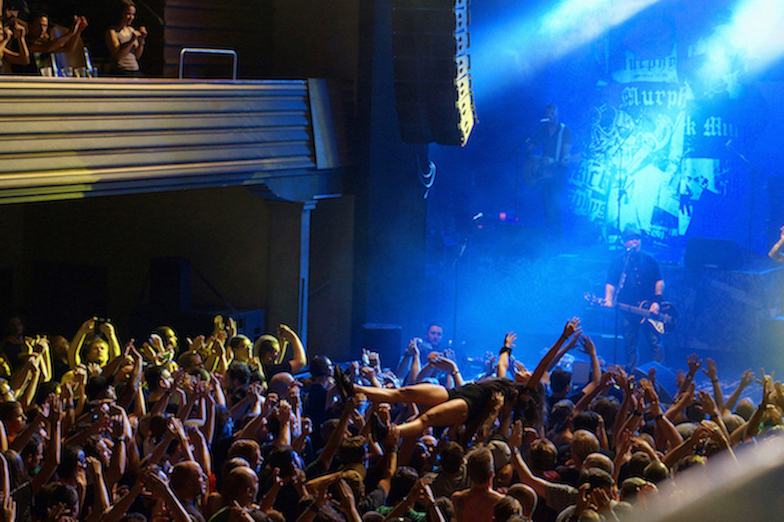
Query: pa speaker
[(665, 379), (430, 42), (712, 253), (170, 283), (384, 339)]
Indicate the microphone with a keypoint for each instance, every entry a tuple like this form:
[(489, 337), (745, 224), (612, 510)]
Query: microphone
[(544, 120), (478, 216)]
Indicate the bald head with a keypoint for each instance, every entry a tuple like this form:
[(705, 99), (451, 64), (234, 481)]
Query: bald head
[(242, 485), (280, 383), (188, 481)]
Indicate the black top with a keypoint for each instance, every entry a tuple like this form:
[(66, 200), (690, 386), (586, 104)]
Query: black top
[(642, 274), (549, 142), (478, 394)]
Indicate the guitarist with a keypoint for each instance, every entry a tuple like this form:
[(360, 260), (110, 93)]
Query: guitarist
[(633, 278), (552, 170)]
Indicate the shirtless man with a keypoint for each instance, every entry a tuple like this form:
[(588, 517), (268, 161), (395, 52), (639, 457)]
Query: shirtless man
[(480, 499)]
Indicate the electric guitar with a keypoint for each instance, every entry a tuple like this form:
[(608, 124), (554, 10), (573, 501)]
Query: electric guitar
[(662, 322), (540, 169)]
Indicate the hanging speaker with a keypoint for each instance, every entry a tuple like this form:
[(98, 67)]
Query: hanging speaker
[(430, 43)]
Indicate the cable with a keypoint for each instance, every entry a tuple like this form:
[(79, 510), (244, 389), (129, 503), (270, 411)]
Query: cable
[(426, 177)]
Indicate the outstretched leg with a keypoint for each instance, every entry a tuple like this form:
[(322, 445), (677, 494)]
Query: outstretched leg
[(422, 394), (450, 413)]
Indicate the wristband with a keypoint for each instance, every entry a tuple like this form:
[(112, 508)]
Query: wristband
[(714, 380), (636, 414), (659, 416), (504, 350), (454, 373)]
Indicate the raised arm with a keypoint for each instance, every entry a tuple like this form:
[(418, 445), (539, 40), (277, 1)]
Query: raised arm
[(160, 489), (694, 363), (65, 43), (523, 471), (505, 353), (74, 355), (572, 327), (100, 494), (746, 379), (283, 414), (664, 426), (22, 56), (590, 348), (756, 419), (299, 358), (713, 375), (53, 446), (332, 445), (108, 331), (409, 366), (448, 365)]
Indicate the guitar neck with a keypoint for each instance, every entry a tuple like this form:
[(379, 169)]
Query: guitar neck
[(634, 310)]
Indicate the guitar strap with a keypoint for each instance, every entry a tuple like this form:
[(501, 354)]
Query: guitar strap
[(559, 142)]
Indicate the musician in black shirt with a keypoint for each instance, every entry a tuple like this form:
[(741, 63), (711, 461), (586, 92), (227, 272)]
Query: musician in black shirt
[(552, 168), (635, 279)]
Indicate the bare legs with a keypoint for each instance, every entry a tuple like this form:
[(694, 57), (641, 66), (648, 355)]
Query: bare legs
[(422, 394), (450, 413), (442, 412)]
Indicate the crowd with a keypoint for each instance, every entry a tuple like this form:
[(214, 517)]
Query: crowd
[(227, 428), (29, 39)]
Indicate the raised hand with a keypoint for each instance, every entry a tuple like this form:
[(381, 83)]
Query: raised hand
[(572, 327), (393, 437), (154, 483), (710, 371), (516, 438), (652, 374), (587, 344), (94, 466), (284, 332), (231, 328), (107, 329), (707, 403), (88, 326), (623, 380), (283, 412), (509, 339), (694, 363), (680, 378), (55, 410)]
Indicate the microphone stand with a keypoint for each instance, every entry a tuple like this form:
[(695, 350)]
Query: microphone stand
[(456, 265), (621, 193), (618, 288)]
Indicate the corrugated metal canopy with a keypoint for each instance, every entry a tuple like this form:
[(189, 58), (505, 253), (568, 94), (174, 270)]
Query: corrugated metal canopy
[(66, 138)]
